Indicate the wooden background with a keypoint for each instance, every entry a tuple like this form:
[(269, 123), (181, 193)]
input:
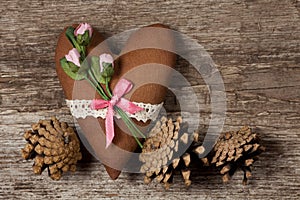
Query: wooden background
[(254, 43)]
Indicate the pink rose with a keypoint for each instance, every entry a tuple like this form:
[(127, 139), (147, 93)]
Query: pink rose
[(105, 58), (81, 28), (73, 56)]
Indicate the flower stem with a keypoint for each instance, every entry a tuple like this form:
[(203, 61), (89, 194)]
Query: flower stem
[(100, 90), (107, 88), (131, 123), (83, 50), (125, 118), (95, 87)]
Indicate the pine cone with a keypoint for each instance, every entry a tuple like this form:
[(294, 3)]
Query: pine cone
[(53, 145), (159, 153), (236, 150)]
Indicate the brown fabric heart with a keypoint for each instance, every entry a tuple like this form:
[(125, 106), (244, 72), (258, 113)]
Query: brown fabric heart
[(112, 158)]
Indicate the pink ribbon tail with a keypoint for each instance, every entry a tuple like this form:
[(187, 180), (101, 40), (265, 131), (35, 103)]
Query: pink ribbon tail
[(109, 125)]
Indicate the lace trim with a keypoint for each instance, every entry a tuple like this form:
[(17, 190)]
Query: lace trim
[(81, 109)]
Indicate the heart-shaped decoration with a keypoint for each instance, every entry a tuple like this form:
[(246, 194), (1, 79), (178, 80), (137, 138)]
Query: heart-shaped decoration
[(116, 155)]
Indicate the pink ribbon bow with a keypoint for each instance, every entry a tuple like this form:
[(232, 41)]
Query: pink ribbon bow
[(122, 88)]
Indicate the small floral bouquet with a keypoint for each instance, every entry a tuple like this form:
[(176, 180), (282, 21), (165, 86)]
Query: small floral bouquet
[(98, 71)]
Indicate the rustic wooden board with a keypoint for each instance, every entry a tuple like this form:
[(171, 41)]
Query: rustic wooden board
[(255, 45)]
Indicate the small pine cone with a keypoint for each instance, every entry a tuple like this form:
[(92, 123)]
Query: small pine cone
[(160, 153), (53, 145), (236, 150)]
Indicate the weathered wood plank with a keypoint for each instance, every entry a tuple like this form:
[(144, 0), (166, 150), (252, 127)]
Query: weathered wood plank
[(255, 45)]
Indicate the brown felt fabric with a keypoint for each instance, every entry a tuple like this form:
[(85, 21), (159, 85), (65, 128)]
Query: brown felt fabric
[(151, 93)]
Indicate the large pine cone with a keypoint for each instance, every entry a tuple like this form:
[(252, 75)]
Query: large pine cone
[(53, 145), (160, 153)]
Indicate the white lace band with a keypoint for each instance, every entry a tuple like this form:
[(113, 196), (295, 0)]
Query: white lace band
[(81, 109)]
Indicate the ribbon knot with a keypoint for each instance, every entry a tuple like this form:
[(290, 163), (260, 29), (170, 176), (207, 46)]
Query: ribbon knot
[(123, 87), (114, 100)]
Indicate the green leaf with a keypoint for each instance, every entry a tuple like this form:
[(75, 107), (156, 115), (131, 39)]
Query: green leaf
[(85, 65), (70, 35), (83, 70), (96, 68), (71, 69)]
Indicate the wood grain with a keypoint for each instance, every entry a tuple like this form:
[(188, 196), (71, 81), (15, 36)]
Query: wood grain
[(255, 45)]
